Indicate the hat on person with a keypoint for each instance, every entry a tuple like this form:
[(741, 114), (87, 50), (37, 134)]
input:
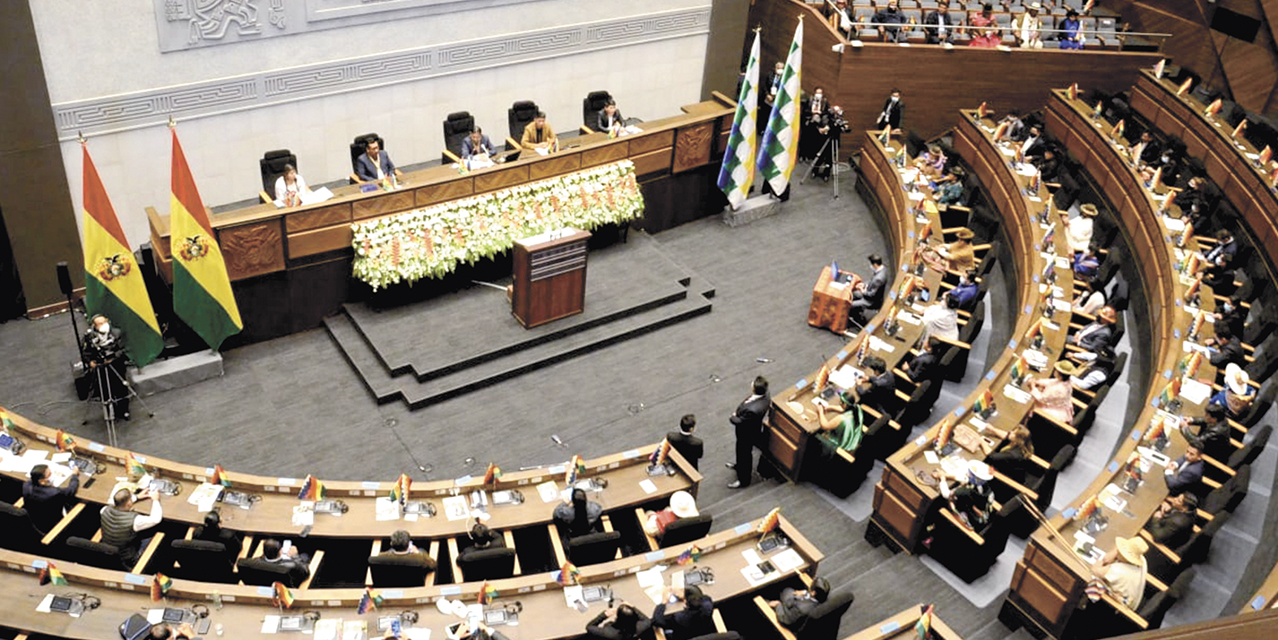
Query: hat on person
[(1237, 379), (964, 234), (683, 504), (1065, 367), (1131, 550), (1089, 210), (1107, 314), (1035, 6), (980, 470)]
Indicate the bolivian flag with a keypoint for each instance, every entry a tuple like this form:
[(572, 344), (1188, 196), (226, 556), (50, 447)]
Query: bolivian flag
[(283, 597), (113, 284), (202, 294), (50, 575), (160, 586)]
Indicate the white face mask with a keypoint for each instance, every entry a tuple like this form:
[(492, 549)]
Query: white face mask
[(895, 99), (104, 328), (819, 95)]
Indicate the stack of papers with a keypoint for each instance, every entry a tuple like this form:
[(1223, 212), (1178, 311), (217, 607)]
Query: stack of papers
[(205, 496)]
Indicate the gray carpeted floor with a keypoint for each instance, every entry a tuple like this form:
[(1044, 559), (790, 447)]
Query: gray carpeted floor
[(293, 406)]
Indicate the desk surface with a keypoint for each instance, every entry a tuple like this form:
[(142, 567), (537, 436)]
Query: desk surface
[(544, 612), (274, 513), (901, 627)]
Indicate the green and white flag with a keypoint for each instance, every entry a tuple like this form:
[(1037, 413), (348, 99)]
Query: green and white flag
[(736, 175), (781, 139)]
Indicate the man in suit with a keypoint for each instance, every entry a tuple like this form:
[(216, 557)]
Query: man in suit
[(1218, 267), (747, 421), (1097, 334), (477, 146), (1146, 150), (1212, 430), (1034, 143), (1173, 523), (794, 607), (891, 24), (868, 295), (375, 165), (839, 16), (295, 562), (967, 290), (877, 390), (1048, 165), (1185, 473), (44, 502), (939, 24), (688, 446), (539, 135), (695, 619), (1199, 199), (1226, 348), (401, 546), (609, 117), (893, 112), (925, 366)]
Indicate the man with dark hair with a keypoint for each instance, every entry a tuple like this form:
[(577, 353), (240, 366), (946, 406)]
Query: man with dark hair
[(1146, 150), (45, 503), (688, 446), (747, 422), (1212, 432), (166, 631), (867, 297), (539, 135), (939, 25), (891, 27), (925, 366), (1226, 348), (609, 118), (1218, 264), (477, 146), (696, 618), (1173, 523), (877, 390), (295, 562), (482, 538), (893, 110), (401, 546), (1185, 473), (794, 606), (966, 290), (375, 165), (121, 525)]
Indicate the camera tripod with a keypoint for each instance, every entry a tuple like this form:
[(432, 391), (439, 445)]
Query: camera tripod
[(103, 373), (833, 143)]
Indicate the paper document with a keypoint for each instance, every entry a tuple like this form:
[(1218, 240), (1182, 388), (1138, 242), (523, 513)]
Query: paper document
[(1017, 395), (787, 560), (649, 487), (303, 515), (548, 491), (387, 509), (456, 508), (1194, 391)]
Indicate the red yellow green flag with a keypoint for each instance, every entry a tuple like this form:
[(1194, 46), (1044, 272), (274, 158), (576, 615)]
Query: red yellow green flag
[(202, 295), (160, 586), (113, 284), (50, 575)]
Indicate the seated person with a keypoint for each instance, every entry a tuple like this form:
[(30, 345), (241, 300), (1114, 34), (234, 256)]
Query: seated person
[(1053, 397), (1124, 569), (868, 294), (840, 17), (682, 505), (294, 561), (1173, 523), (121, 525), (925, 366), (481, 538), (401, 546), (1238, 393), (940, 319), (949, 189), (956, 256), (1171, 171), (1212, 431), (609, 118), (375, 165), (45, 503), (877, 390), (1199, 199), (1072, 31), (688, 445), (1184, 473), (1048, 165), (794, 606), (539, 135), (1096, 334), (476, 147), (696, 618), (967, 290), (290, 187), (212, 531), (166, 631), (1218, 264), (1094, 373), (622, 623), (577, 516), (892, 15), (1146, 150), (1016, 130), (1091, 299), (1078, 230), (932, 162), (1226, 348), (1086, 264), (971, 496), (843, 431), (1033, 144), (1231, 314), (1013, 458), (986, 35), (939, 25), (1028, 28)]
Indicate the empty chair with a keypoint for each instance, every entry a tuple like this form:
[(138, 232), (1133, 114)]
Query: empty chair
[(519, 115), (916, 409), (456, 127), (970, 554), (1021, 523), (593, 548), (259, 572), (591, 105), (1155, 607), (486, 564), (1221, 498), (1253, 444), (201, 560), (19, 532), (272, 166), (94, 554), (685, 530), (392, 570), (1083, 420)]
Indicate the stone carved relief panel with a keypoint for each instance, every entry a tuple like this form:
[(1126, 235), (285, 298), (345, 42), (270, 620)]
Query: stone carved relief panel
[(692, 146), (252, 249)]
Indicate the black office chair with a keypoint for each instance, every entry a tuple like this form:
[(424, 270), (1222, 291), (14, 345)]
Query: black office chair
[(956, 368), (487, 564), (1083, 420), (1192, 552), (917, 408), (685, 530), (1253, 444), (259, 572), (456, 127), (1155, 607), (95, 554), (823, 621), (201, 560), (971, 554), (593, 548), (591, 105), (397, 571), (727, 635), (1229, 494), (1021, 523), (519, 115), (358, 147), (272, 166), (1260, 406), (19, 532)]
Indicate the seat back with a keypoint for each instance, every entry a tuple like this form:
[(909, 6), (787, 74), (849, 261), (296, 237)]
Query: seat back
[(202, 560), (974, 324), (1120, 363), (1083, 420), (729, 635), (823, 622), (398, 571), (259, 572), (1155, 609), (19, 532), (357, 147), (686, 530), (1260, 406), (487, 564), (272, 166), (917, 409), (519, 115), (593, 548), (456, 127), (94, 554), (1253, 444), (1200, 543), (591, 105), (1045, 485)]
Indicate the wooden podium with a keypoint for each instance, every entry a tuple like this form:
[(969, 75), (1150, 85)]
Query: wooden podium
[(549, 277)]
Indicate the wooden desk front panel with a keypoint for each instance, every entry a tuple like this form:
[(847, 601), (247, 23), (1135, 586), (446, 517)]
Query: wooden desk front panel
[(901, 627), (900, 508)]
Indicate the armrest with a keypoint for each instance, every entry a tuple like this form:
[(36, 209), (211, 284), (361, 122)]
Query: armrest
[(715, 615), (265, 198), (557, 544), (368, 574), (771, 615), (433, 551), (63, 524), (956, 343), (147, 553), (607, 527), (953, 520), (1077, 403), (190, 533), (1236, 426), (1212, 462), (245, 545), (452, 559), (512, 144), (652, 542), (1155, 582), (510, 544), (901, 394), (1057, 423), (658, 633), (1168, 553), (981, 247), (452, 157), (585, 131), (314, 569), (1040, 462), (1020, 488), (97, 536), (355, 179), (1210, 483)]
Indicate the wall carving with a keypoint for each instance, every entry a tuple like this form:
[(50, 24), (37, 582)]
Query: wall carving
[(227, 95), (252, 249)]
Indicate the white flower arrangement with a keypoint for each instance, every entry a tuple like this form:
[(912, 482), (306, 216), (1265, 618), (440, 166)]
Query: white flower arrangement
[(430, 242)]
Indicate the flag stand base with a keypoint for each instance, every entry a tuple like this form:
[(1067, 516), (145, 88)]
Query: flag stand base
[(755, 207), (175, 373)]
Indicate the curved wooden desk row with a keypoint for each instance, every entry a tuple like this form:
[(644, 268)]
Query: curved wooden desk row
[(1048, 582), (903, 505), (544, 614), (902, 627), (1266, 596), (273, 515), (1230, 162)]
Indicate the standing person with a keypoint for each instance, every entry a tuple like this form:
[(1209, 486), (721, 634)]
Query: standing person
[(688, 445), (104, 351), (45, 503), (893, 113), (986, 36), (747, 422), (814, 118)]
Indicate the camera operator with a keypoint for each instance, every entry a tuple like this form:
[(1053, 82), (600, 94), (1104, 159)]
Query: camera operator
[(104, 353), (828, 127)]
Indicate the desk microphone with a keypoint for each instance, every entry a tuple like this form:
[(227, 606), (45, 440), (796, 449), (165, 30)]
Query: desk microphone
[(555, 439)]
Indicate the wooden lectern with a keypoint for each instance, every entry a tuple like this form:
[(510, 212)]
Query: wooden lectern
[(549, 277)]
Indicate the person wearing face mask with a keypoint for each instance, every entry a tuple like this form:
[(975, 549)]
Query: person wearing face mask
[(893, 112), (888, 17), (768, 94), (104, 353), (815, 111)]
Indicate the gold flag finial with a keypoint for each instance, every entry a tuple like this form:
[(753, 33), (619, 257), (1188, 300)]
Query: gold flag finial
[(172, 122), (79, 135)]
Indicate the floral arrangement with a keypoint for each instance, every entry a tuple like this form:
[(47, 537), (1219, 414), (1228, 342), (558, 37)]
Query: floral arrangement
[(430, 242)]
